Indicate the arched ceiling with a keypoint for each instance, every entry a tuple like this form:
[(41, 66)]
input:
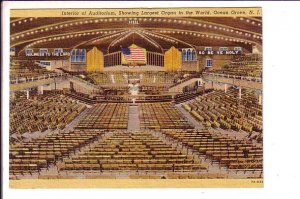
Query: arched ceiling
[(155, 34)]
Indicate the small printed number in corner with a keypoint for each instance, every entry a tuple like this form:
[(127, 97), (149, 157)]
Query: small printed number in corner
[(257, 181)]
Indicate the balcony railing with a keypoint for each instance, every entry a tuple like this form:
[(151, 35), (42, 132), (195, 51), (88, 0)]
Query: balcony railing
[(85, 82), (20, 80), (247, 78), (196, 75)]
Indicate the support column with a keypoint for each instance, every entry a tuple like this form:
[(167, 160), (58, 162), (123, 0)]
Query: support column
[(27, 94), (161, 62), (260, 99), (13, 95), (41, 90), (240, 93), (72, 86), (54, 83), (114, 60), (117, 58), (225, 88), (158, 60), (199, 83), (152, 60)]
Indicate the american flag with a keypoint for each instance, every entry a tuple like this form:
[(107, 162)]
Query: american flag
[(134, 54)]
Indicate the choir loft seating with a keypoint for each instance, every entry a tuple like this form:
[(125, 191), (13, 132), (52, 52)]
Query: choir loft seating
[(147, 77)]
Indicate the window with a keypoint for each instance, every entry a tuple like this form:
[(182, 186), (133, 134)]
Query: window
[(194, 57), (237, 48), (78, 55), (208, 49), (57, 51), (223, 49), (28, 52), (189, 54), (43, 51), (209, 63)]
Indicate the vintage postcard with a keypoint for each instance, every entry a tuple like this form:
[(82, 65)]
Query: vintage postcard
[(135, 97)]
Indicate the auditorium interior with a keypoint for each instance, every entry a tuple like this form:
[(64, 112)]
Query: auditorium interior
[(135, 98)]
